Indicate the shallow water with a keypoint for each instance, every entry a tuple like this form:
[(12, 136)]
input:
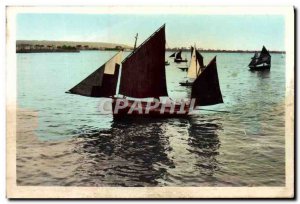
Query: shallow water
[(62, 139)]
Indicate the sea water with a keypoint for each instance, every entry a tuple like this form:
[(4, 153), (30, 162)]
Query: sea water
[(63, 139)]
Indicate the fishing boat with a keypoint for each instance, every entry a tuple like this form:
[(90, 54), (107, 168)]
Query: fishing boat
[(185, 68), (260, 61), (195, 68), (178, 58), (137, 85), (143, 81), (167, 63)]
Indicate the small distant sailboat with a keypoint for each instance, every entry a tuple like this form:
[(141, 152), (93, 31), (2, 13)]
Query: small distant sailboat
[(177, 57), (141, 79), (260, 61), (185, 68), (195, 68)]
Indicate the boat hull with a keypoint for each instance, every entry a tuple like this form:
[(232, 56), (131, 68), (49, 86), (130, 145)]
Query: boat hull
[(178, 111), (183, 68), (186, 83), (260, 68), (180, 60)]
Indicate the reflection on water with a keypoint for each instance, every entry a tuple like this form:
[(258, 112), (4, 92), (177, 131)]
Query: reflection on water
[(263, 74), (205, 143), (129, 152), (138, 153)]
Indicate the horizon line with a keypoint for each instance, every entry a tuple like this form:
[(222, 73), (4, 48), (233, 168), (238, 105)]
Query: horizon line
[(184, 48)]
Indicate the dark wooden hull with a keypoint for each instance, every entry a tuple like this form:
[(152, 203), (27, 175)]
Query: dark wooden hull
[(183, 68), (153, 112), (260, 68), (180, 60), (186, 83)]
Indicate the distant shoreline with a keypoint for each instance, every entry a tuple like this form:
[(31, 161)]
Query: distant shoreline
[(226, 51), (35, 46), (45, 51), (41, 46), (202, 51)]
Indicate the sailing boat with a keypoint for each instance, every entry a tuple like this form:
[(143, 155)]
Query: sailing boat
[(142, 83), (261, 62), (143, 79), (178, 58), (195, 68), (185, 68)]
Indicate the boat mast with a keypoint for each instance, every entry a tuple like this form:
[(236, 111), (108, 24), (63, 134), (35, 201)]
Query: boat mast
[(120, 70), (136, 37), (196, 60), (118, 81)]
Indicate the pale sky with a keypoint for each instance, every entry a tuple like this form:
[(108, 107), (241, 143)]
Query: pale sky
[(245, 32)]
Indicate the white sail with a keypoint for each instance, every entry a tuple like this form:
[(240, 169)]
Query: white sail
[(194, 68), (110, 65)]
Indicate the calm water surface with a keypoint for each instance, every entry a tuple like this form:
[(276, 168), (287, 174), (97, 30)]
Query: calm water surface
[(62, 139)]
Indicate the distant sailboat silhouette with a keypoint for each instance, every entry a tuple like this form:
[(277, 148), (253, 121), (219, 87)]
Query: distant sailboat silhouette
[(195, 68), (185, 68), (262, 61), (178, 58)]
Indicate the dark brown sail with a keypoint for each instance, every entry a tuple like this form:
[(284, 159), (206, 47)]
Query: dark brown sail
[(264, 57), (178, 55), (200, 59), (102, 82), (143, 71), (206, 88), (264, 52), (254, 59), (262, 61), (172, 55)]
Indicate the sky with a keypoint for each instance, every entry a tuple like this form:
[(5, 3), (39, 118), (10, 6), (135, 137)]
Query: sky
[(244, 32)]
